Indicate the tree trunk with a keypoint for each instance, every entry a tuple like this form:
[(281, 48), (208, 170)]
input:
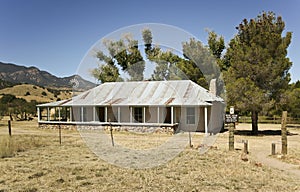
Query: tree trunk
[(11, 117), (254, 117)]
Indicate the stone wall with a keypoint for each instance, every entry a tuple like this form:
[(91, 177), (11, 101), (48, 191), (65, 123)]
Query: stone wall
[(137, 129)]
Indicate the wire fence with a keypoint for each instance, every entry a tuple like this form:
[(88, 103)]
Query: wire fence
[(269, 120)]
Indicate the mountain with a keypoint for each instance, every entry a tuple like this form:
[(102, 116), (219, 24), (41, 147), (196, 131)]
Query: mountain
[(31, 75)]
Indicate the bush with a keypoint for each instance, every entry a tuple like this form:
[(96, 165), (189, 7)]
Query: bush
[(44, 93)]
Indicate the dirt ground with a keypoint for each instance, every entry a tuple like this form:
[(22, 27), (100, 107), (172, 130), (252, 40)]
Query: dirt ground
[(72, 166)]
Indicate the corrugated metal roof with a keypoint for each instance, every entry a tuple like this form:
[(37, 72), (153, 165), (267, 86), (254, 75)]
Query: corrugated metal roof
[(137, 93)]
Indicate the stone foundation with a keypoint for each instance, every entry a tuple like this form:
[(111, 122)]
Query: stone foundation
[(136, 129)]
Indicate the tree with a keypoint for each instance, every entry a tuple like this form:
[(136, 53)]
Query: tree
[(258, 72), (123, 53), (202, 64), (195, 60), (11, 105), (216, 45), (290, 101)]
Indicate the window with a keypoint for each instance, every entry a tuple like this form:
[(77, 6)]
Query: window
[(190, 115), (138, 114)]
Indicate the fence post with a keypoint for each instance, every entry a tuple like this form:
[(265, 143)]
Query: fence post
[(190, 139), (231, 136), (59, 133), (273, 149), (284, 133), (246, 146), (9, 127), (111, 134)]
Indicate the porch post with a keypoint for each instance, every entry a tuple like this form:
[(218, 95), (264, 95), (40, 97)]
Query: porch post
[(81, 113), (38, 113), (157, 114), (119, 115), (58, 113), (172, 115), (71, 114), (205, 120), (94, 113), (105, 114), (48, 114), (144, 114), (130, 114)]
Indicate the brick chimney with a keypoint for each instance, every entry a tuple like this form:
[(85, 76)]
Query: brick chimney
[(213, 87)]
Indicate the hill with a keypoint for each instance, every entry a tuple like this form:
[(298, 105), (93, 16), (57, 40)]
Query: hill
[(16, 74), (34, 92), (4, 84)]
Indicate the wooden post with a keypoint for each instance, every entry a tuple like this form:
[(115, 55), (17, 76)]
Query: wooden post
[(9, 127), (231, 136), (284, 133), (273, 149), (246, 146), (59, 133), (190, 139), (111, 134)]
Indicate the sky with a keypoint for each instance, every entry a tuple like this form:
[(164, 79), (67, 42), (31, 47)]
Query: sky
[(55, 35)]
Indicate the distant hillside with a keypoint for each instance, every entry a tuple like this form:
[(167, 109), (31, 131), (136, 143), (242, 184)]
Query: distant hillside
[(34, 92), (20, 74), (4, 84)]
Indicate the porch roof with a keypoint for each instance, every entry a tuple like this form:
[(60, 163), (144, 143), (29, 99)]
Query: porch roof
[(142, 93)]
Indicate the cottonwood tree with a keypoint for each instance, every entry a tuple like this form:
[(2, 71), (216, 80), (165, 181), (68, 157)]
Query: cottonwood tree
[(195, 60), (166, 61), (202, 64), (123, 53), (258, 72)]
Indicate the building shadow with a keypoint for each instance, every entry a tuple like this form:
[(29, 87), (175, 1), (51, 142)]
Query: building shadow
[(262, 133)]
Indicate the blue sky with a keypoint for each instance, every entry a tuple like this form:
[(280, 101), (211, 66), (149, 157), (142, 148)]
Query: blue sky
[(55, 35)]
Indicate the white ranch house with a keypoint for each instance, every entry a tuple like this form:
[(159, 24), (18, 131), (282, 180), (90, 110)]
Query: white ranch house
[(178, 104)]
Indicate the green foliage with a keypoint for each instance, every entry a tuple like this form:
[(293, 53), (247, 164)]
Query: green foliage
[(196, 61), (203, 64), (106, 73), (44, 93), (11, 105), (216, 45), (123, 53), (258, 72), (56, 92), (290, 100)]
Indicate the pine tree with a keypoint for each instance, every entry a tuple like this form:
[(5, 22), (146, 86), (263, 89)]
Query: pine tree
[(258, 72)]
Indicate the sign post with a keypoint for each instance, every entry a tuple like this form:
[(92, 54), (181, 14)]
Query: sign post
[(231, 118)]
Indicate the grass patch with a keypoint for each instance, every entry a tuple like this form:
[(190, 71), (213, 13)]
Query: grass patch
[(9, 146), (292, 157)]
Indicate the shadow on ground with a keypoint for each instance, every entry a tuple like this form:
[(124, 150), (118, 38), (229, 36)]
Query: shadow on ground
[(261, 133)]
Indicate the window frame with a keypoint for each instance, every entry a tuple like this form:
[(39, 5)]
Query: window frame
[(190, 117), (138, 114)]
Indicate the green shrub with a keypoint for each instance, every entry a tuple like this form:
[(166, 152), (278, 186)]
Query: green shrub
[(44, 93)]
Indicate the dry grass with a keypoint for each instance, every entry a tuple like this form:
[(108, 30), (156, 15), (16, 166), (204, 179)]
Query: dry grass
[(20, 91), (73, 167), (137, 141), (9, 146)]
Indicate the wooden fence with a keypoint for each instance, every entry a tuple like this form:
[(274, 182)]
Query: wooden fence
[(269, 120)]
